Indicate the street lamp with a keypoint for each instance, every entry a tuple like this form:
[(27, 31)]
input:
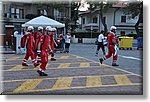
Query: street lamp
[(91, 32)]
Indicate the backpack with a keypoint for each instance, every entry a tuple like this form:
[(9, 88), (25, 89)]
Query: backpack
[(23, 41)]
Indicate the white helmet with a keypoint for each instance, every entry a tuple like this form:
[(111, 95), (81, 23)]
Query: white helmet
[(40, 28), (53, 29), (49, 28), (113, 27), (30, 28)]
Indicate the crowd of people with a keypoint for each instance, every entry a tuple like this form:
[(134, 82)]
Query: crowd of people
[(40, 44)]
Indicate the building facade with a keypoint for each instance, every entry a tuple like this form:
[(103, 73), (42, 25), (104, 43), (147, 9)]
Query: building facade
[(114, 16), (14, 14)]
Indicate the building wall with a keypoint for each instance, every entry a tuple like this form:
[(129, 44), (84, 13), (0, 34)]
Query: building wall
[(110, 21)]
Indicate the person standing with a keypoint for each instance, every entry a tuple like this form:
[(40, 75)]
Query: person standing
[(62, 42), (44, 47), (67, 42), (112, 48), (30, 43), (100, 43)]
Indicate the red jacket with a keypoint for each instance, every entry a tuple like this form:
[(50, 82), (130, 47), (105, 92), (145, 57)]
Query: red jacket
[(45, 40), (110, 38)]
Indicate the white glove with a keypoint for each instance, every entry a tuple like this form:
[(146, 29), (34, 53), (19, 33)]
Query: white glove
[(116, 50), (38, 52)]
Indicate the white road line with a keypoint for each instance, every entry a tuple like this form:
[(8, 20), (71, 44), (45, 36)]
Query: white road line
[(128, 57)]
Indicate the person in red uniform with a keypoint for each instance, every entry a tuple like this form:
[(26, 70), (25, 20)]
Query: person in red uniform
[(52, 42), (30, 42), (112, 48), (37, 37), (44, 47)]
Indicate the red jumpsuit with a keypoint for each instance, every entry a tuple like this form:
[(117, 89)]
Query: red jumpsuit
[(37, 40), (111, 50), (52, 45), (45, 41), (30, 49)]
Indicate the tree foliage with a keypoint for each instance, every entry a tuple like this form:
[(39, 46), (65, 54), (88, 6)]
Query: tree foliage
[(135, 9), (102, 6)]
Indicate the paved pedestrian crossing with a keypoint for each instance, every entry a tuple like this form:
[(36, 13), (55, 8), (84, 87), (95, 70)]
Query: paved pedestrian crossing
[(110, 77), (64, 83)]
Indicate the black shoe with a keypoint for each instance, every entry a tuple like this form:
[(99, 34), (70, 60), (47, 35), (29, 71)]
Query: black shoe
[(44, 74), (53, 59), (101, 60), (24, 64), (39, 72), (36, 64), (115, 65)]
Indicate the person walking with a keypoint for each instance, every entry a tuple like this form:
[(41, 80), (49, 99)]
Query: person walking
[(67, 42), (112, 47), (44, 47), (52, 43), (30, 43), (37, 37), (100, 43)]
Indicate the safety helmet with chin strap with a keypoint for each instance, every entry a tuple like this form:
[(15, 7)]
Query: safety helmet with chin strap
[(40, 28), (113, 28), (48, 28), (30, 28)]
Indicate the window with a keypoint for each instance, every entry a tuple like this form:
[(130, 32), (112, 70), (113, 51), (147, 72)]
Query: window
[(21, 13), (123, 19), (95, 20), (83, 20)]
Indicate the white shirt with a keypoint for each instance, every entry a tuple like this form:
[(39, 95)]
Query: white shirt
[(68, 38), (100, 38)]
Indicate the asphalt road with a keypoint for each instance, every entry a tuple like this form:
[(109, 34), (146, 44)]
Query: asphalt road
[(76, 73), (130, 60)]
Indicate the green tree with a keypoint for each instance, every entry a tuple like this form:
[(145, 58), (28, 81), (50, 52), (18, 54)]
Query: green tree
[(135, 9), (75, 12), (102, 7)]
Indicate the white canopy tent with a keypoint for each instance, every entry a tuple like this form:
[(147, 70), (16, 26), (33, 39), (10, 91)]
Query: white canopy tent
[(43, 21)]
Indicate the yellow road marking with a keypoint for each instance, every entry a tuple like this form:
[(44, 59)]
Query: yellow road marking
[(13, 58), (84, 64), (6, 81), (62, 83), (64, 57), (122, 80), (64, 65), (78, 57), (17, 67), (28, 85), (93, 81)]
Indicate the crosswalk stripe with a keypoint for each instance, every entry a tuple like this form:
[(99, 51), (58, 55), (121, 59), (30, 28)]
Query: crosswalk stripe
[(84, 64), (17, 67), (78, 57), (64, 57), (64, 65), (122, 80), (93, 81), (14, 58), (62, 83), (28, 85)]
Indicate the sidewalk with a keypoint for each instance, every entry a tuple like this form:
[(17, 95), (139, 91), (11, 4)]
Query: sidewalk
[(6, 50)]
